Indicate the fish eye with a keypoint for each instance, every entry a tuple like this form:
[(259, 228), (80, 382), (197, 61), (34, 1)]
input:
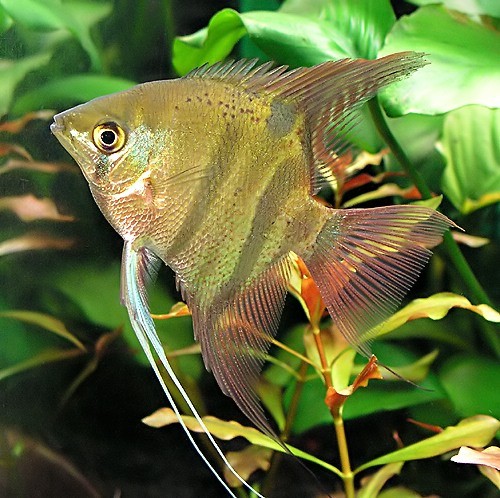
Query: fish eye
[(109, 137)]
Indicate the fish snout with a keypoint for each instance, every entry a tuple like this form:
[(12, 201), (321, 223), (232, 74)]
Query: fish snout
[(58, 125)]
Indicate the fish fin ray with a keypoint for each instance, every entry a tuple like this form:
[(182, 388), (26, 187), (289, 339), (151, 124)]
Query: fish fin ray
[(236, 331), (136, 271), (365, 261)]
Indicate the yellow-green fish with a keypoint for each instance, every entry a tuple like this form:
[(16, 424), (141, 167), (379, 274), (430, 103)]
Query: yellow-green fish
[(214, 174)]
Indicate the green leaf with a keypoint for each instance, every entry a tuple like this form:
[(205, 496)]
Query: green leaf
[(227, 430), (5, 20), (463, 67), (473, 7), (472, 384), (40, 359), (51, 15), (399, 492), (12, 72), (419, 135), (372, 486), (44, 321), (471, 147), (474, 431), (436, 307), (364, 23), (95, 289), (69, 91), (210, 44), (299, 34)]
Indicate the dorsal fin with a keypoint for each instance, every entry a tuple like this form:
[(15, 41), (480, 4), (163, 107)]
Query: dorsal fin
[(330, 94)]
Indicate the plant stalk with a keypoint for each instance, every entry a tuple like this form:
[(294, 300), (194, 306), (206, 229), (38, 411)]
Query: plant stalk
[(450, 246), (348, 476)]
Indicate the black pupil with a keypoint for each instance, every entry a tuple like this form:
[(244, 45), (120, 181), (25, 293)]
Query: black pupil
[(108, 137)]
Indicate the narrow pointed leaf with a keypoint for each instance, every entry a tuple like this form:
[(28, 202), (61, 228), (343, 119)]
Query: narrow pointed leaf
[(228, 430), (474, 431), (44, 321), (372, 485), (43, 358), (436, 307)]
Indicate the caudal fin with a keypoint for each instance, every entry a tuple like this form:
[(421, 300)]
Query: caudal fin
[(365, 260)]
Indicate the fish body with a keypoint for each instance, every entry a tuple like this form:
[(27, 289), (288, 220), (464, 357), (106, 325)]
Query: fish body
[(214, 174)]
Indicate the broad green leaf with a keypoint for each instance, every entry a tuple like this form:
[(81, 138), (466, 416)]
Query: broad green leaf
[(210, 44), (227, 430), (365, 23), (471, 147), (51, 15), (374, 483), (418, 134), (474, 7), (69, 91), (299, 34), (95, 288), (463, 67), (5, 20), (44, 321), (12, 72), (474, 431), (472, 384), (436, 307)]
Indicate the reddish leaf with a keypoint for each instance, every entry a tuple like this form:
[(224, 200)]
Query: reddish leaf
[(30, 208), (17, 125), (31, 241), (336, 399)]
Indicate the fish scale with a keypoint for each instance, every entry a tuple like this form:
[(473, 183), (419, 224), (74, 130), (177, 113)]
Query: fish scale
[(213, 174)]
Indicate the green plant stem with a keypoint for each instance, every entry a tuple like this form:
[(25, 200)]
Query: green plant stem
[(450, 246), (348, 476), (344, 456)]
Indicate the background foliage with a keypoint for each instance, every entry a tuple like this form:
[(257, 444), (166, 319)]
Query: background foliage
[(73, 387)]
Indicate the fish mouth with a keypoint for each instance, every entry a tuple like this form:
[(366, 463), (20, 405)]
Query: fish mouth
[(57, 127)]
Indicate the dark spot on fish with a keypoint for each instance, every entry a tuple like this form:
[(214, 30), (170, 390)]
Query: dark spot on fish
[(226, 106), (209, 102), (206, 94), (232, 116), (224, 114), (198, 98), (188, 99), (282, 118), (176, 107)]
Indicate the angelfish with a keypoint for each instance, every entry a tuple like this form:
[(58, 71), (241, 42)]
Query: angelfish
[(215, 174)]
